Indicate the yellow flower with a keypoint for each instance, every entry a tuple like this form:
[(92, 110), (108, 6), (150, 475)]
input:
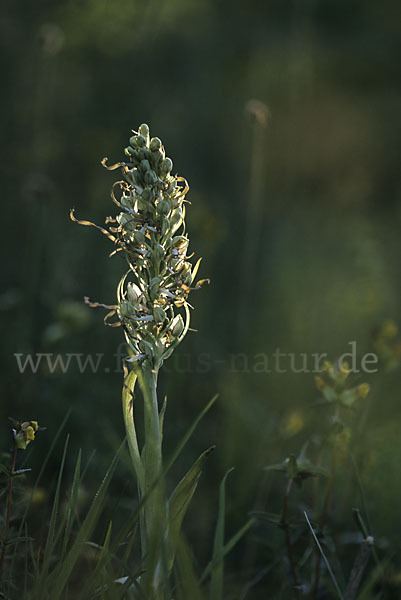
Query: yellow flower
[(344, 370), (363, 390), (320, 384), (25, 433), (293, 423)]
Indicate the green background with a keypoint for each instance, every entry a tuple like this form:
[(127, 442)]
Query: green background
[(297, 222)]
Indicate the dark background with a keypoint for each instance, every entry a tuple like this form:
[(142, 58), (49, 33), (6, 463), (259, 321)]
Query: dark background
[(297, 222)]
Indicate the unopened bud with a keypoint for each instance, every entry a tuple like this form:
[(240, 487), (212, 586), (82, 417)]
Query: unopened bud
[(154, 287), (176, 218), (144, 130), (164, 226), (150, 177), (124, 309), (134, 294), (125, 201), (155, 144), (163, 207), (144, 154), (147, 194), (166, 166), (159, 314), (122, 219), (145, 165), (140, 141), (172, 186), (155, 158), (177, 326), (139, 238), (158, 252)]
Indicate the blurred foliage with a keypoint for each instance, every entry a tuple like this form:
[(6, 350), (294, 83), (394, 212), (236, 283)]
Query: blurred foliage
[(322, 257)]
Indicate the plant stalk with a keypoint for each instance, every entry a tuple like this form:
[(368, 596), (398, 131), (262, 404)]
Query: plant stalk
[(155, 514), (323, 519), (285, 524), (8, 514)]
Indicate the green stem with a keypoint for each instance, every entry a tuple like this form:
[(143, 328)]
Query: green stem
[(155, 506), (8, 515), (323, 519), (129, 421), (285, 525)]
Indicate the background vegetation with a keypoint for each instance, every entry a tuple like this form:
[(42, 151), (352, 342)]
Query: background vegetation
[(316, 267)]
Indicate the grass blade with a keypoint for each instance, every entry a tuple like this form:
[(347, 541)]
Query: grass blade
[(216, 584), (50, 541), (71, 505), (180, 499), (61, 574), (333, 578), (227, 548), (186, 579)]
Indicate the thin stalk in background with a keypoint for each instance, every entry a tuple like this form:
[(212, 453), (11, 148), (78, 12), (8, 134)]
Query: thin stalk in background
[(285, 525), (8, 514), (259, 113)]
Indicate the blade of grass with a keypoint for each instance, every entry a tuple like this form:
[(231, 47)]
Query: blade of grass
[(50, 540), (187, 583), (180, 500), (227, 548), (188, 434), (216, 584), (333, 578), (61, 574), (71, 506)]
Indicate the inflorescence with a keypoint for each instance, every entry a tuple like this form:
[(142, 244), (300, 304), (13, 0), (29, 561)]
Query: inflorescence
[(150, 231)]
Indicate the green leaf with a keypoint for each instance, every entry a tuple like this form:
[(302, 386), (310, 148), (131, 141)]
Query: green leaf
[(188, 586), (50, 540), (281, 467), (20, 472), (61, 574), (227, 548), (275, 519), (72, 504), (180, 499), (217, 580), (17, 540), (5, 470), (132, 520), (128, 412), (306, 469)]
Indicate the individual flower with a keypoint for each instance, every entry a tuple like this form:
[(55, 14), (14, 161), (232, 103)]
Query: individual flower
[(24, 433)]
